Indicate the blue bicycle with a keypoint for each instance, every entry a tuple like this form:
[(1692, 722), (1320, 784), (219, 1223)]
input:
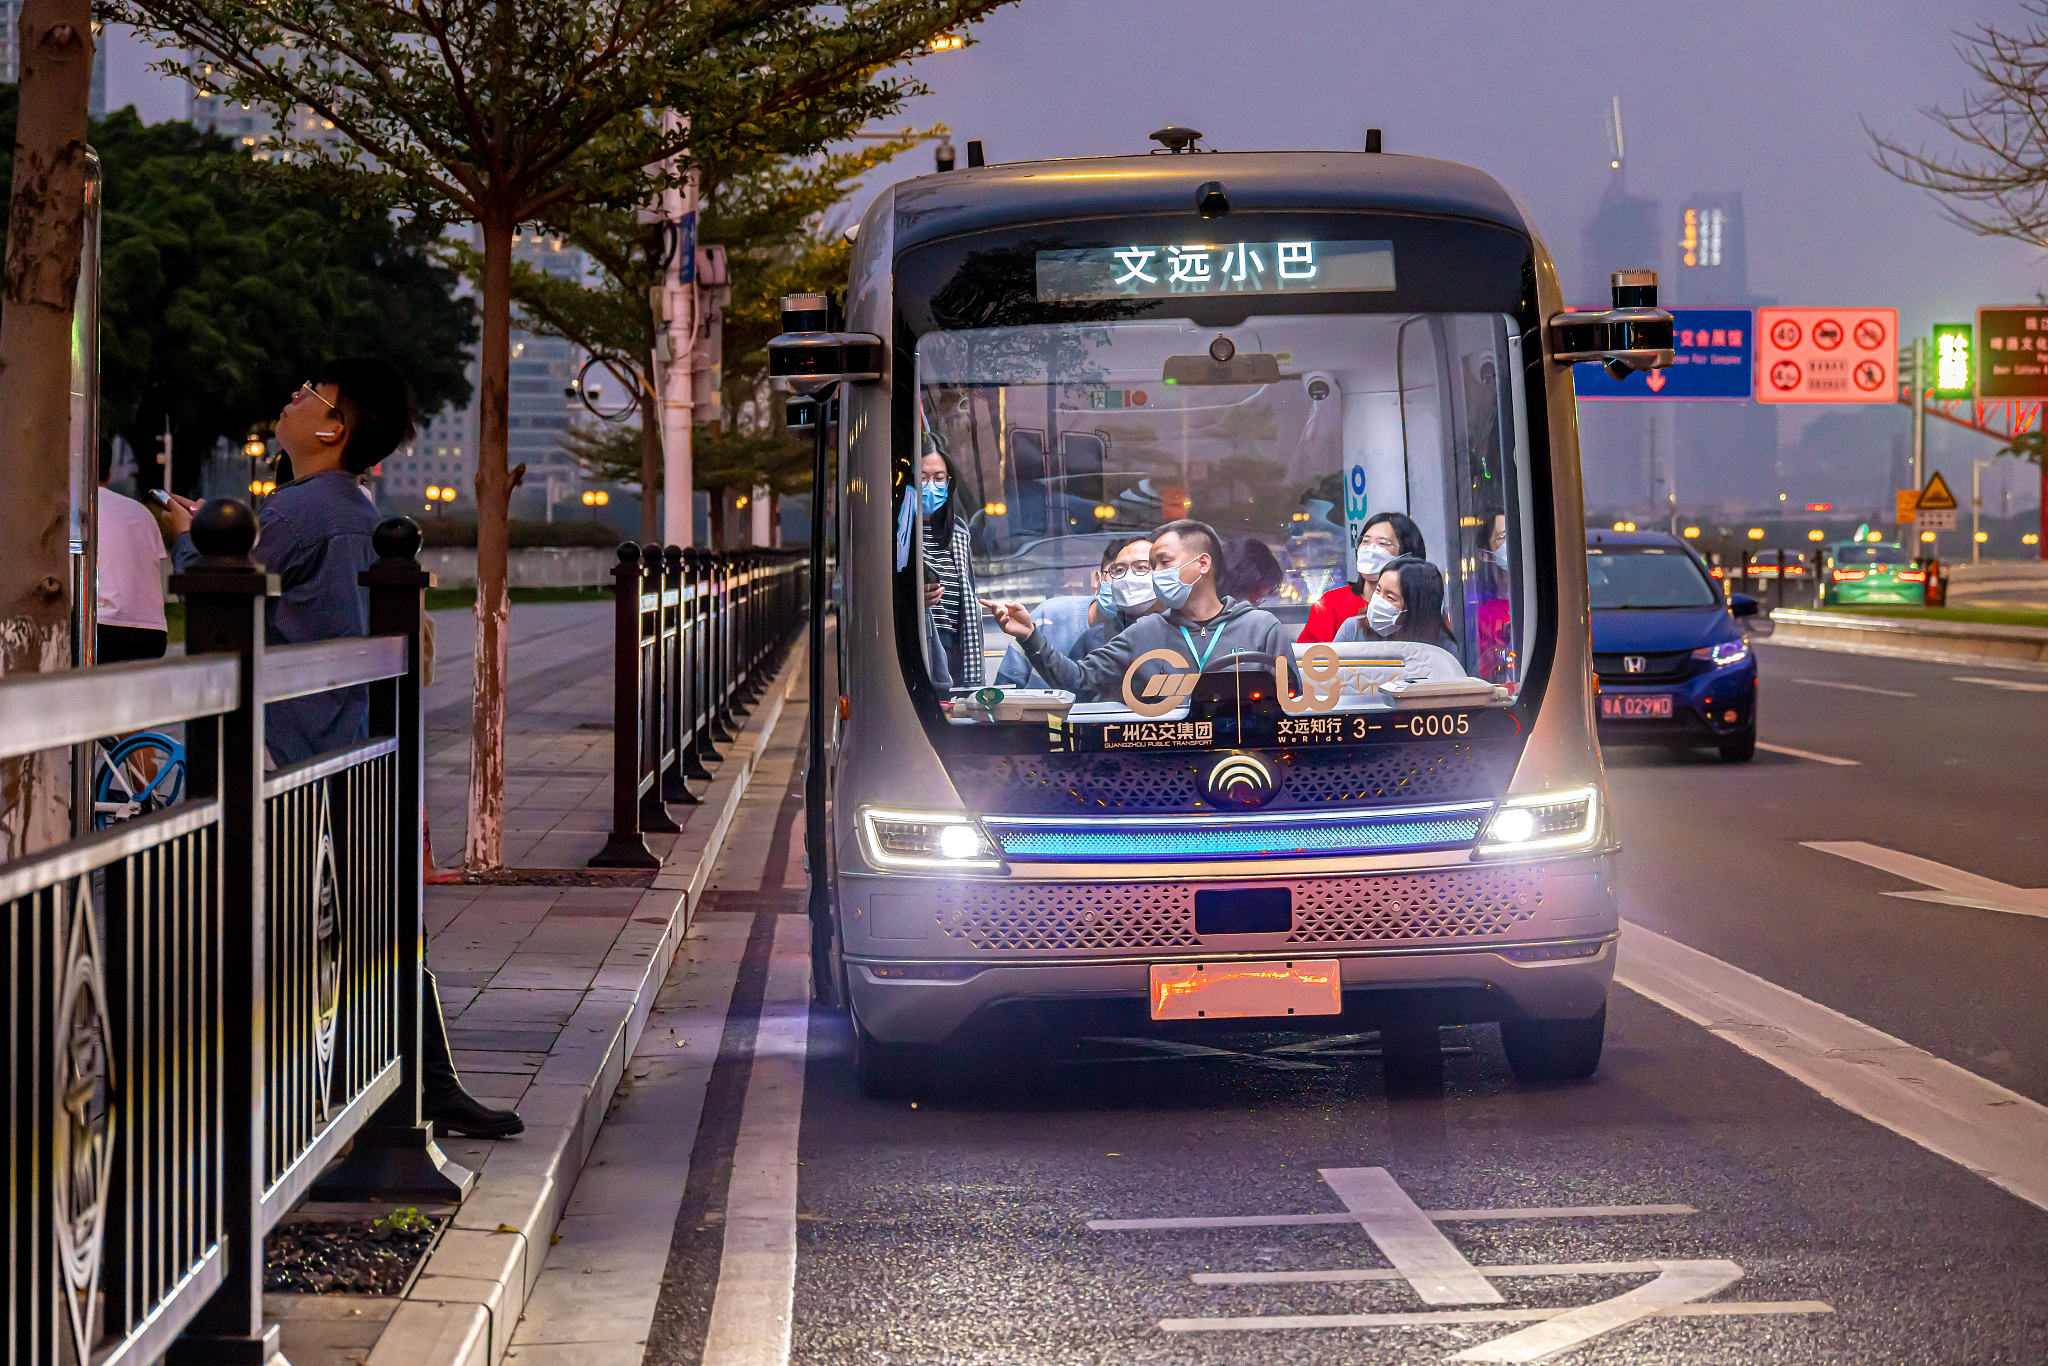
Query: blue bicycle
[(137, 774)]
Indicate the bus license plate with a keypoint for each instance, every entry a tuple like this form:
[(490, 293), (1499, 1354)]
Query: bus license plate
[(1632, 706), (1232, 991)]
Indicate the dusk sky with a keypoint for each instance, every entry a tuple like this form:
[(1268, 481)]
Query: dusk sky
[(1769, 97)]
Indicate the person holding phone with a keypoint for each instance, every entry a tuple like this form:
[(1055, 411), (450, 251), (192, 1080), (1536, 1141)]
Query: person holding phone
[(315, 536)]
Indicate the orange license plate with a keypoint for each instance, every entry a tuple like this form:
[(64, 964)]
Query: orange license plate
[(1235, 991)]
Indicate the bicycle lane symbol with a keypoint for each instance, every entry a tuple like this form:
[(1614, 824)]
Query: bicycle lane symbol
[(1439, 1274)]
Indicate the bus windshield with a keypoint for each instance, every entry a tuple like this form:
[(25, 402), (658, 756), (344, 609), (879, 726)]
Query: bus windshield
[(1046, 456)]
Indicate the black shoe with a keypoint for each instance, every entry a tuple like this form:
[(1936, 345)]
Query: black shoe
[(461, 1113)]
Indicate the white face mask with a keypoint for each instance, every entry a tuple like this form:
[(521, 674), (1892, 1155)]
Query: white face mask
[(1371, 559), (1382, 615), (1498, 557), (1132, 592)]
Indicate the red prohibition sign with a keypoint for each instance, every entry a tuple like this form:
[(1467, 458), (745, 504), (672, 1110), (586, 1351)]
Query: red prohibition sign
[(1827, 334), (1785, 375), (1869, 375), (1869, 334), (1785, 334)]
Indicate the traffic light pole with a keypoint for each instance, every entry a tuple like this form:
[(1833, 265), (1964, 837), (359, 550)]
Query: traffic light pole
[(1920, 378)]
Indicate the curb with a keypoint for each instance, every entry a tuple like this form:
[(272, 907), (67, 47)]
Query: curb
[(468, 1295), (1982, 644)]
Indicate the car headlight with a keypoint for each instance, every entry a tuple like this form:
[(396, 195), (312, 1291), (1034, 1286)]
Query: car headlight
[(1546, 824), (1722, 655), (924, 839)]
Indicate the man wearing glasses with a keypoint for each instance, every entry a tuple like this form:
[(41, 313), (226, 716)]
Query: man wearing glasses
[(1124, 577), (316, 537)]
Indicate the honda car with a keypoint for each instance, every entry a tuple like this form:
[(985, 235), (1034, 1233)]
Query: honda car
[(1673, 664)]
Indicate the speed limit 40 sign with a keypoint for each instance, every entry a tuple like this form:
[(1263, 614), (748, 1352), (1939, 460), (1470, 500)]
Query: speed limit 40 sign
[(1827, 355)]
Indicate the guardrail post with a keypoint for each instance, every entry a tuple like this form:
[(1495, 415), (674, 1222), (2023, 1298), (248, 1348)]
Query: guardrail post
[(224, 594), (693, 745), (626, 847), (395, 1156), (703, 694), (653, 699), (675, 709), (722, 724)]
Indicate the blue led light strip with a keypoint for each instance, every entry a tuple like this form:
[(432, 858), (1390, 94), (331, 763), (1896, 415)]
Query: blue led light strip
[(1213, 837)]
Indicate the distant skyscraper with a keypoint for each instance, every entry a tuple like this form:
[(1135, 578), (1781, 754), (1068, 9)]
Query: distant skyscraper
[(1617, 441), (1727, 452)]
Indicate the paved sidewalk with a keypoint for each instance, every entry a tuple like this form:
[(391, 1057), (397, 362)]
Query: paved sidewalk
[(547, 989)]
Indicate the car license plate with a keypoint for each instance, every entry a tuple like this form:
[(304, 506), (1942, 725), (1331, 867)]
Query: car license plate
[(1629, 706), (1231, 991)]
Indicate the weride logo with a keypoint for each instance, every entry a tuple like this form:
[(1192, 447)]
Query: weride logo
[(1241, 780)]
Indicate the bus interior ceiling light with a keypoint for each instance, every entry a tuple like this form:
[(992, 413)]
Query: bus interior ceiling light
[(926, 839), (1550, 822)]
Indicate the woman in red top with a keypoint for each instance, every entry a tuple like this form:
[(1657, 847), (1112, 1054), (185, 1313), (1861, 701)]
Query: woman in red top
[(1387, 536)]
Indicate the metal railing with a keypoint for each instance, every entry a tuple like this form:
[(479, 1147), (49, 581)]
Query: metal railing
[(698, 635), (207, 1002)]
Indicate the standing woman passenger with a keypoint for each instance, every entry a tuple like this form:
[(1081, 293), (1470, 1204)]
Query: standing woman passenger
[(949, 550), (1387, 536)]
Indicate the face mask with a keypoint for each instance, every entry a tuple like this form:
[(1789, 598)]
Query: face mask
[(1133, 592), (1498, 557), (1104, 600), (1382, 615), (1371, 559), (1168, 587), (933, 495)]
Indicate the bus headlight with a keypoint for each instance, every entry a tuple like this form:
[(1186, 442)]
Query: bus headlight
[(1549, 823), (923, 839)]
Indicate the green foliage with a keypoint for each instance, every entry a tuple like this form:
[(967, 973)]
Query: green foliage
[(221, 292), (405, 1219)]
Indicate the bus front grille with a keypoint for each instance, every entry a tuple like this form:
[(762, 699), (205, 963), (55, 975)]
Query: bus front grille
[(1042, 917)]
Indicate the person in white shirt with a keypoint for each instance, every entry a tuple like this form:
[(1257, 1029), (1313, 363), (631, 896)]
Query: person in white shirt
[(131, 590)]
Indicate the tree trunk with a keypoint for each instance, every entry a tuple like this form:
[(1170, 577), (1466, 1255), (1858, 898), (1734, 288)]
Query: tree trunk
[(485, 847), (44, 235), (650, 468), (775, 521)]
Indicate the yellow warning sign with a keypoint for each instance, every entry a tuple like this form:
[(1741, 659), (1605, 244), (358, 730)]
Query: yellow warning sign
[(1936, 496), (1909, 504)]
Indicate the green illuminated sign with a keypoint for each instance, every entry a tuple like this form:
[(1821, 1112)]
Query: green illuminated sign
[(1955, 361)]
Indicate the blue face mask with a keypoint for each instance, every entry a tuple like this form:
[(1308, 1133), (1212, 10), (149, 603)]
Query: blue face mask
[(1105, 601), (1168, 587), (933, 496)]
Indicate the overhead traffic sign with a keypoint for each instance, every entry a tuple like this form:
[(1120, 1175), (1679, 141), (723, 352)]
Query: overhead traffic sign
[(2012, 343), (1827, 355), (1713, 349)]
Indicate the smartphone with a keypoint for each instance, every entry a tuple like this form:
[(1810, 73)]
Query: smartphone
[(162, 497)]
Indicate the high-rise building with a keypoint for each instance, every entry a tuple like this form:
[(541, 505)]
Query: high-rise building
[(1726, 454), (542, 369), (1618, 442)]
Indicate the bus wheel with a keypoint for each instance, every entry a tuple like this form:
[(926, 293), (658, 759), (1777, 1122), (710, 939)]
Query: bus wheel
[(887, 1071), (1554, 1050)]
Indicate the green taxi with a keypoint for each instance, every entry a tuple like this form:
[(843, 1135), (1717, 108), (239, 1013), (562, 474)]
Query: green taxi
[(1865, 571)]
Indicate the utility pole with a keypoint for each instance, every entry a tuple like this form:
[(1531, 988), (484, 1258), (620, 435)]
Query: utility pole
[(1920, 378), (1976, 507), (679, 309)]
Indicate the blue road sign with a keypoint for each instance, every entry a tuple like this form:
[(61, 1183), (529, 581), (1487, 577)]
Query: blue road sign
[(1715, 361)]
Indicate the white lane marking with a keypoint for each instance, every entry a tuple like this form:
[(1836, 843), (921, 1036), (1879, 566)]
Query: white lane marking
[(2000, 1135), (1952, 886), (750, 1314), (1409, 1238), (2009, 684), (1386, 1273), (1441, 1215), (1853, 687), (1456, 1317), (1809, 754), (1679, 1283)]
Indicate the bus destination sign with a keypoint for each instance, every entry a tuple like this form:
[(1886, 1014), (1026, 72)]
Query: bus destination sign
[(1167, 270)]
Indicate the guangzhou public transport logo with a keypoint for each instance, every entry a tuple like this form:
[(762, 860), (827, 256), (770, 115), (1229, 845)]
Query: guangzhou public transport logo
[(1241, 780)]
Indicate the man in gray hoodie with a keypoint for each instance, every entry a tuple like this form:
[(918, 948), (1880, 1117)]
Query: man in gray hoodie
[(1213, 634)]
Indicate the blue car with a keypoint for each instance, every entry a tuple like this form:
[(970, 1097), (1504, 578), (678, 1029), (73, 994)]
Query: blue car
[(1673, 665)]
